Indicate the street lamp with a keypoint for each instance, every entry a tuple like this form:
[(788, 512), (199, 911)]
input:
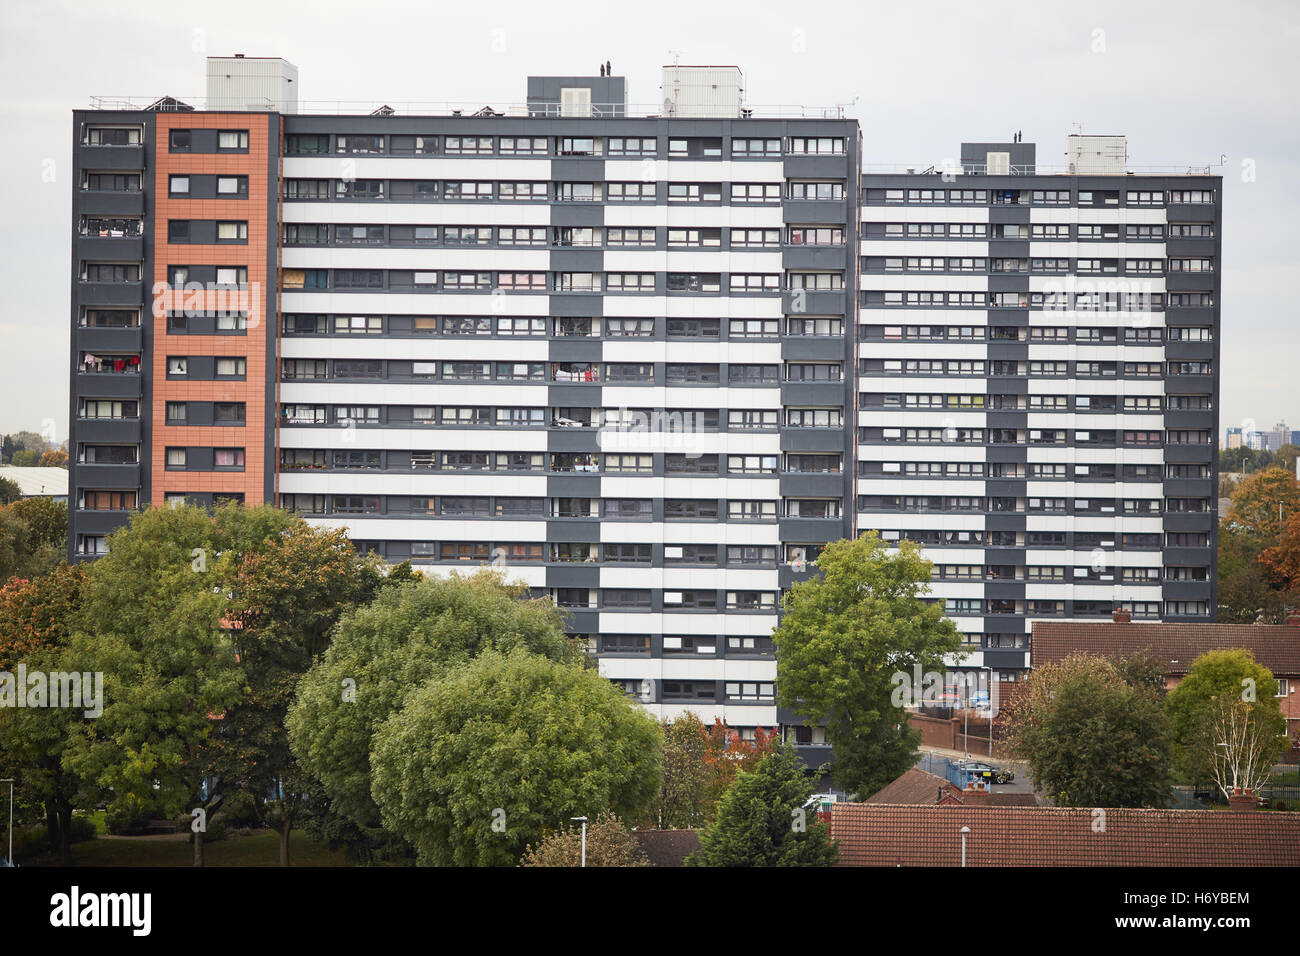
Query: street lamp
[(584, 837), (10, 781), (964, 831)]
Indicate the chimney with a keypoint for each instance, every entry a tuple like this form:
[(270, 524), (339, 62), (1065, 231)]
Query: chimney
[(1122, 616), (1293, 620), (1243, 801), (976, 794)]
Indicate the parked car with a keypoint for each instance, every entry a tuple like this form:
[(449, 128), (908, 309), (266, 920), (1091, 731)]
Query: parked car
[(982, 771)]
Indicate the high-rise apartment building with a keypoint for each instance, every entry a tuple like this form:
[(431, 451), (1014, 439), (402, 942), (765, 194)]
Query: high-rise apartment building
[(652, 360), (609, 352), (1037, 375)]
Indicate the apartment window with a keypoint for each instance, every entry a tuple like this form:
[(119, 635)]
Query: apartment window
[(228, 367), (232, 186), (751, 510), (751, 464), (634, 192), (235, 140), (755, 147), (755, 192), (616, 236), (228, 457), (632, 146), (817, 190)]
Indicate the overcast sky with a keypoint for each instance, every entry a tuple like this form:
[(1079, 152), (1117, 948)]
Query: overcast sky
[(1187, 82)]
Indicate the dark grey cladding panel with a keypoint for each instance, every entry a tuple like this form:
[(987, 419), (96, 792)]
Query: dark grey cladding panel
[(1202, 521), (806, 347), (812, 486), (1188, 556), (573, 529), (812, 440), (106, 476), (810, 529), (577, 214), (573, 486), (574, 348), (1008, 350), (812, 393), (1005, 658), (1200, 419), (1004, 590), (577, 169), (573, 440), (126, 431), (1189, 453), (813, 257), (787, 576), (1009, 283), (107, 385), (111, 158), (604, 89), (1005, 556), (816, 167), (109, 340), (586, 575), (577, 304), (1186, 590), (1010, 212), (803, 302), (108, 294), (99, 522), (1004, 522), (1014, 453), (111, 204), (577, 260), (1188, 487), (809, 212), (999, 487), (574, 396), (110, 250)]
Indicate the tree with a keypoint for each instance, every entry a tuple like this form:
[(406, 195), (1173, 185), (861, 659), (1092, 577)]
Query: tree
[(54, 458), (1282, 561), (23, 553), (1090, 738), (843, 638), (381, 651), (46, 517), (153, 621), (1245, 747), (1247, 594), (762, 820), (35, 618), (287, 594), (1217, 680), (1264, 502), (609, 843), (727, 755), (683, 801), (9, 490), (488, 756)]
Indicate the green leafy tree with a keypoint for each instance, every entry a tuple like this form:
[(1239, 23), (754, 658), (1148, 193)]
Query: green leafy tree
[(488, 756), (47, 519), (153, 620), (9, 489), (1196, 711), (381, 651), (683, 801), (23, 551), (844, 636), (1091, 738), (1247, 592), (288, 593), (762, 820), (609, 843)]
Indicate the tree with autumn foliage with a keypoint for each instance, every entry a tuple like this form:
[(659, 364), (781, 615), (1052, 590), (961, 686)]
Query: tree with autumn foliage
[(609, 843), (1282, 561), (54, 458), (1264, 502), (35, 621), (700, 763)]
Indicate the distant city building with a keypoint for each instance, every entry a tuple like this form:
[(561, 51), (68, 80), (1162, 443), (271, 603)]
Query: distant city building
[(38, 482)]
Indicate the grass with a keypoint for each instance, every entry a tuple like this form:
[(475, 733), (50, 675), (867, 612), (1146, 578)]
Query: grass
[(258, 849)]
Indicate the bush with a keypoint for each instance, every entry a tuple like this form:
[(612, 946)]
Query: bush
[(83, 828), (129, 819)]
